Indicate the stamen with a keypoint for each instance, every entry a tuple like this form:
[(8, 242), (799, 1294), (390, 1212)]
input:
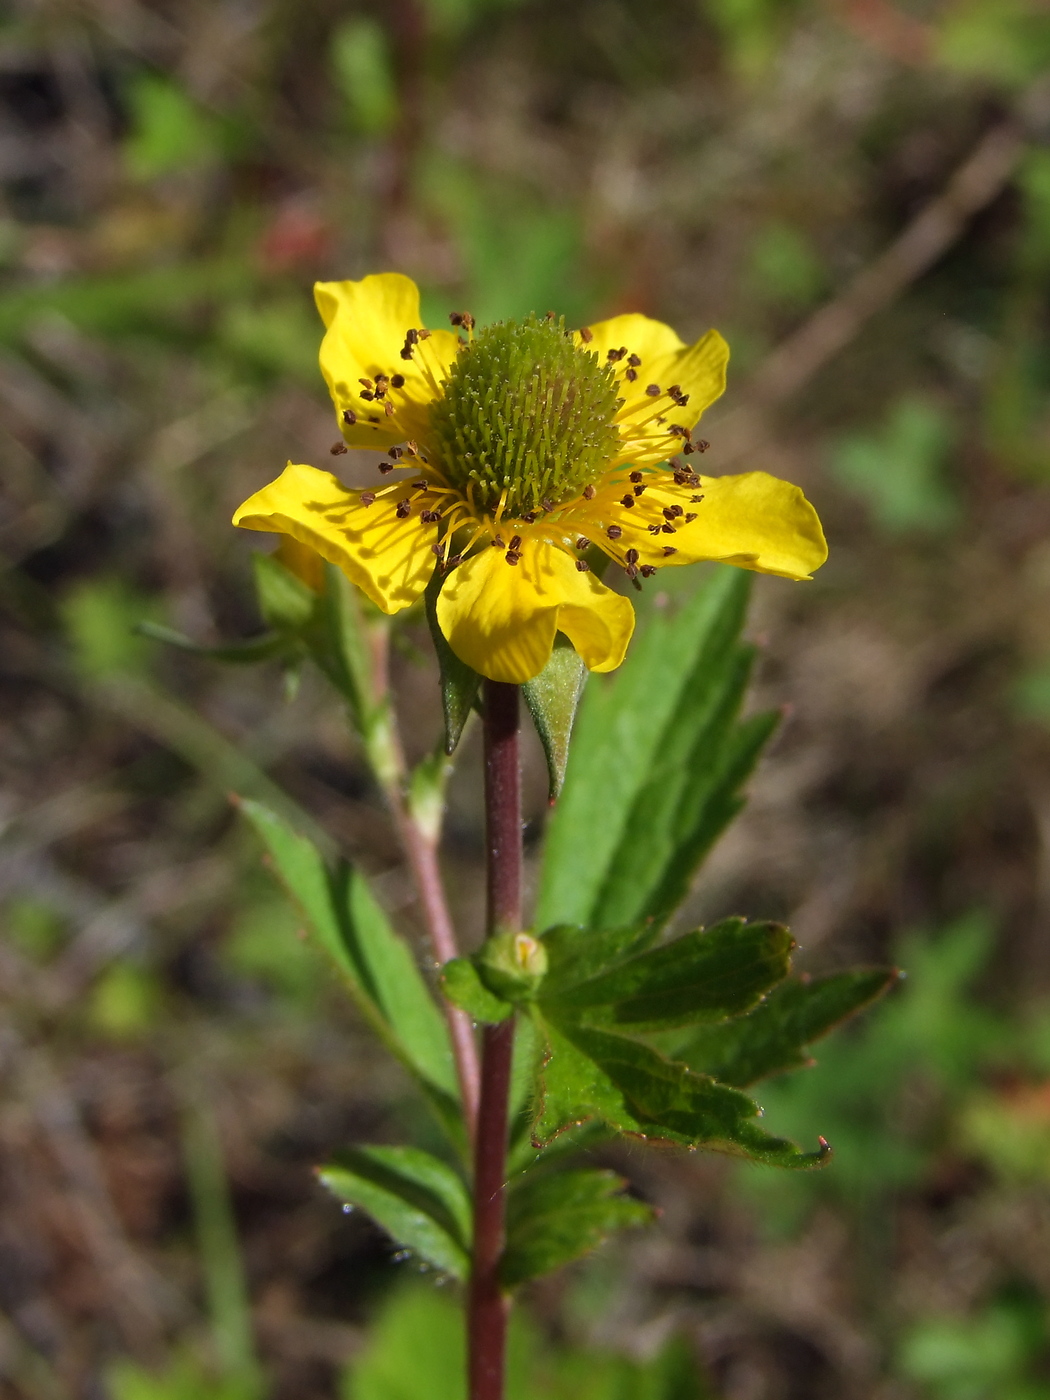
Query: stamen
[(497, 543), (613, 355), (654, 391), (702, 445), (395, 452), (631, 556), (397, 381), (635, 476), (583, 543), (462, 318), (647, 570), (512, 556), (515, 543), (403, 510), (695, 500), (627, 502), (589, 493), (337, 449), (349, 417), (586, 334), (367, 498), (386, 468), (690, 517), (389, 409), (669, 549), (631, 375), (633, 361), (583, 566), (638, 490), (614, 532), (430, 517)]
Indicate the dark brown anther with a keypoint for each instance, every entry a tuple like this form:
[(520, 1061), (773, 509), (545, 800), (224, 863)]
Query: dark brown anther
[(589, 493), (583, 566), (672, 512), (583, 543), (403, 510), (436, 549), (614, 355), (695, 500), (676, 430), (614, 532), (635, 476), (701, 445), (411, 447), (389, 409), (668, 530), (386, 468), (337, 449), (382, 382), (669, 549), (349, 417), (373, 419), (456, 559), (631, 556), (551, 316), (631, 571), (512, 556), (395, 453), (689, 447), (406, 352), (647, 570), (464, 319), (430, 517), (411, 337), (397, 381), (367, 383), (516, 542), (421, 485), (586, 334), (424, 334), (367, 394), (638, 490), (627, 502), (653, 390), (690, 517), (631, 374), (497, 543), (367, 498)]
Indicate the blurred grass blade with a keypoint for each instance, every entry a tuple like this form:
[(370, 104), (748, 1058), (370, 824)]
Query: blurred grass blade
[(554, 1219), (415, 1197), (256, 649)]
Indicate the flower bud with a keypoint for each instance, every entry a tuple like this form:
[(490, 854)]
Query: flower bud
[(512, 965)]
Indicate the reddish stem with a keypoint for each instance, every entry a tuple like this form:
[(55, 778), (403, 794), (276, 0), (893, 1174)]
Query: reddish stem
[(488, 1305)]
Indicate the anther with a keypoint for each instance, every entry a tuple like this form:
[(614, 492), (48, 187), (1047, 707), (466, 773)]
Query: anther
[(367, 498), (638, 490), (672, 512), (547, 504), (430, 517), (386, 467), (614, 532), (627, 501), (690, 517), (586, 334), (349, 417), (589, 493), (421, 485), (367, 394), (551, 316), (675, 393), (583, 566), (411, 447), (515, 543), (403, 510), (397, 381), (337, 449), (653, 390), (451, 563), (529, 518), (462, 318), (613, 355), (653, 529), (695, 500), (631, 556), (635, 476), (633, 361), (631, 571), (701, 446), (669, 549), (631, 374), (367, 383), (396, 453), (676, 430), (583, 543), (437, 549), (512, 556), (647, 570), (498, 543), (668, 530), (424, 334), (389, 409)]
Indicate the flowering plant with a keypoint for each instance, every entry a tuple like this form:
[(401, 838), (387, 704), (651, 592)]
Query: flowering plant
[(528, 458)]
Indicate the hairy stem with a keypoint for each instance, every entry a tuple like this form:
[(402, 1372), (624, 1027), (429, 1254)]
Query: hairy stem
[(488, 1305)]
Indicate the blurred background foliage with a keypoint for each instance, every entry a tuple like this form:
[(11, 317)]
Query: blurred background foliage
[(173, 1060)]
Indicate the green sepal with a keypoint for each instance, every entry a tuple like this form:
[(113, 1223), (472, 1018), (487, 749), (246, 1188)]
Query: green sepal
[(464, 988), (553, 697), (459, 682), (706, 975), (377, 965), (553, 1219), (285, 601), (417, 1199), (773, 1037), (512, 965), (592, 1074), (246, 653)]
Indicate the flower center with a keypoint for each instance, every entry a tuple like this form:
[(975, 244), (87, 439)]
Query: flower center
[(526, 418)]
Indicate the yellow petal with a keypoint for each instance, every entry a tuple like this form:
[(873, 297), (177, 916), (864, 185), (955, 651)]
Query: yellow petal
[(502, 618), (756, 521), (639, 335), (698, 371), (388, 558), (302, 561), (366, 325)]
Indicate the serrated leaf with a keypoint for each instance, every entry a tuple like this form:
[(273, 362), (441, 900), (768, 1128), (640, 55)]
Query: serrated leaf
[(773, 1036), (464, 988), (239, 653), (552, 698), (459, 683), (378, 965), (415, 1197), (703, 976), (592, 1074), (657, 760), (575, 954), (554, 1219)]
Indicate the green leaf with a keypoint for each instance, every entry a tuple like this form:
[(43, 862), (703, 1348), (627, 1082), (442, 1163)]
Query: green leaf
[(415, 1197), (285, 601), (464, 988), (591, 1074), (702, 976), (552, 698), (656, 764), (377, 964), (554, 1219), (575, 954), (255, 649), (773, 1037), (459, 683)]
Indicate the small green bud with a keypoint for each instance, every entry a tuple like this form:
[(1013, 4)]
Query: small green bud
[(512, 965)]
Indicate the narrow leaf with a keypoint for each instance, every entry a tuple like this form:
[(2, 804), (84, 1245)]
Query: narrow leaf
[(703, 976), (552, 698), (353, 930), (285, 601), (590, 1073), (464, 988), (459, 683), (774, 1036), (554, 1219), (415, 1197), (240, 653)]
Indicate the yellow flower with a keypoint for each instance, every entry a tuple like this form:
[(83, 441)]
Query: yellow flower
[(517, 451)]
